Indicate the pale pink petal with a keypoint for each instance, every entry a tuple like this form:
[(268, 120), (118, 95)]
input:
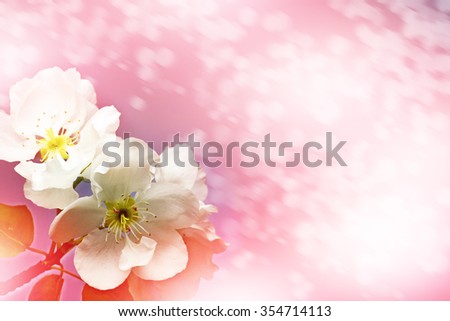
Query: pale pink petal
[(136, 254), (54, 173), (50, 198), (178, 166), (76, 220), (131, 173), (60, 173), (14, 147), (200, 189), (172, 204), (86, 89), (170, 256), (99, 129), (26, 169), (50, 100), (97, 261)]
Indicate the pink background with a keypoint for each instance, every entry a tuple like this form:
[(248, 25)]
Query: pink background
[(375, 73)]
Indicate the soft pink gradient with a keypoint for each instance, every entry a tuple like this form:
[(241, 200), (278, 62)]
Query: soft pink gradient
[(375, 73)]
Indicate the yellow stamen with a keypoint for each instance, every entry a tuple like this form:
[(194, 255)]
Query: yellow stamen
[(122, 217), (53, 144)]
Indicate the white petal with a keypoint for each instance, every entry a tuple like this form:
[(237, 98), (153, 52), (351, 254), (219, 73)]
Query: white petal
[(172, 204), (170, 256), (99, 129), (26, 169), (86, 89), (50, 198), (132, 174), (97, 261), (60, 173), (120, 181), (12, 146), (54, 173), (78, 219), (52, 99), (105, 121), (200, 189), (207, 229), (206, 210), (136, 254), (178, 166)]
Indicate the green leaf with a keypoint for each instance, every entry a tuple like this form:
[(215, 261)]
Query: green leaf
[(47, 289), (121, 293), (16, 230)]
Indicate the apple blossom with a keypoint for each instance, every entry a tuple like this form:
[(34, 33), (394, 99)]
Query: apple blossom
[(54, 129), (129, 225)]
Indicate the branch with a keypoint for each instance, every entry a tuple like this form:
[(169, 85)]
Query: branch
[(29, 274)]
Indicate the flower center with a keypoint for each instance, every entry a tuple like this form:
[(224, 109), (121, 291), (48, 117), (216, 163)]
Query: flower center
[(52, 144), (123, 217)]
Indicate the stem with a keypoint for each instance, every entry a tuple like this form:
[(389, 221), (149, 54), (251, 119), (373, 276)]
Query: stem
[(32, 249), (85, 168), (52, 248), (29, 274), (66, 272)]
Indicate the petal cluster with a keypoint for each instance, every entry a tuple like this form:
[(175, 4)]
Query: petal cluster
[(145, 219), (54, 130), (132, 222)]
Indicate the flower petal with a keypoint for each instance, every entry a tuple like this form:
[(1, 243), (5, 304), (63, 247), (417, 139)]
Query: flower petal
[(170, 256), (131, 174), (12, 146), (50, 198), (200, 189), (173, 205), (136, 254), (76, 220), (98, 130), (178, 166), (60, 173), (86, 89), (50, 100), (54, 173), (105, 121), (97, 261)]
